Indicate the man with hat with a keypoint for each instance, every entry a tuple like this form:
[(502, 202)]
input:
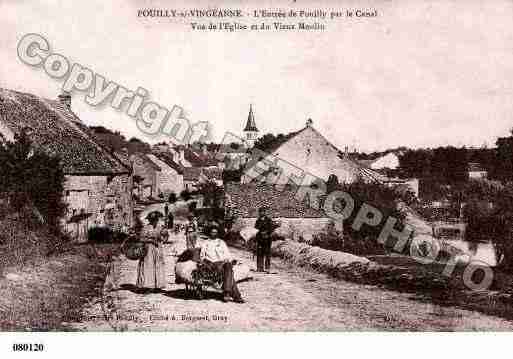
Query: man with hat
[(265, 226), (215, 255)]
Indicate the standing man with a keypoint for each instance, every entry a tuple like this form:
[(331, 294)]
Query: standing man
[(215, 254), (170, 220), (265, 226)]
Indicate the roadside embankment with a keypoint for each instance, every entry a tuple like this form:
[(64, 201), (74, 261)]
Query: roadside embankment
[(403, 274), (49, 292)]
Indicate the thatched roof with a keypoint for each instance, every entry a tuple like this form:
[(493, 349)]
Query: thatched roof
[(56, 130)]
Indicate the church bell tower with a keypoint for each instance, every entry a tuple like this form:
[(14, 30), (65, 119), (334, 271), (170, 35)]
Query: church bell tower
[(250, 130)]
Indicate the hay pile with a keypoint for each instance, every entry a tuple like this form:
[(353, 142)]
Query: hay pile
[(305, 255), (353, 268)]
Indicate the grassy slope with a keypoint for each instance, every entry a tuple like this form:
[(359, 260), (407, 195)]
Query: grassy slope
[(49, 292)]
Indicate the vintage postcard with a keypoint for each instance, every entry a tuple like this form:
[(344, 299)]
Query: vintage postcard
[(255, 166)]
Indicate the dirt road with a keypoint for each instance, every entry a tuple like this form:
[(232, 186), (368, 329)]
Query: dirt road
[(293, 299)]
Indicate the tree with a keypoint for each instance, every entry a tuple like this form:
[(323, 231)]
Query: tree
[(416, 163), (384, 198), (267, 141), (502, 223), (32, 178), (504, 172), (136, 145), (112, 140)]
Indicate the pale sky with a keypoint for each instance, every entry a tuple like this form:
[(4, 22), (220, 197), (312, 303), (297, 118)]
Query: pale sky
[(421, 74)]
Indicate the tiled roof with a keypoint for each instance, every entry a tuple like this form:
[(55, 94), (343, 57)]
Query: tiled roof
[(246, 199), (56, 130), (214, 173)]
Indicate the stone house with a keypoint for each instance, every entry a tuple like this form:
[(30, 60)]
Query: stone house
[(97, 188), (145, 173), (170, 177)]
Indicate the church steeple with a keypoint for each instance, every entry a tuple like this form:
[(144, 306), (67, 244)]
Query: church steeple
[(250, 130), (250, 124)]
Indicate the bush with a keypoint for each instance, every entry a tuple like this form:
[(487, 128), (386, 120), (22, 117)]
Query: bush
[(335, 241), (328, 241), (502, 222), (32, 178), (383, 198), (489, 217)]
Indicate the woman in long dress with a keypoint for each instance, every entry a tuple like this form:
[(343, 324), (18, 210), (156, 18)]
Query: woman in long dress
[(151, 269)]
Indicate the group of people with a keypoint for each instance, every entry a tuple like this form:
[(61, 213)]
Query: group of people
[(213, 253)]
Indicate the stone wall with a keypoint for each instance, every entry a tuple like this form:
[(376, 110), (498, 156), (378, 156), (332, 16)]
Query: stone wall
[(168, 179), (97, 200)]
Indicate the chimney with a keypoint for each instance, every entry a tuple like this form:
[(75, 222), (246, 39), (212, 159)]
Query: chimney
[(182, 154), (65, 99)]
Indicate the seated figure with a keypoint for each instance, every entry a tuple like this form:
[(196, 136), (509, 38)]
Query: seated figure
[(213, 263)]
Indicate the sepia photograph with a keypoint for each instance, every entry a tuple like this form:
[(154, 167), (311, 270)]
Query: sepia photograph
[(255, 166)]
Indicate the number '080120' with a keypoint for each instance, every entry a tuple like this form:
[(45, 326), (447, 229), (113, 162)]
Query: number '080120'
[(24, 347)]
